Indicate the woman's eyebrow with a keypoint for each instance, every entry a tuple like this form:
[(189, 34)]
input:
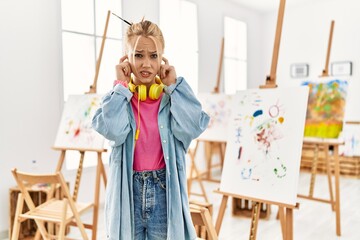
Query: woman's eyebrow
[(141, 51)]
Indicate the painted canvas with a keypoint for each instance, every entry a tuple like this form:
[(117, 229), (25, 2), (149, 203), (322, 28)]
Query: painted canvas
[(263, 153), (326, 107), (75, 131), (218, 107)]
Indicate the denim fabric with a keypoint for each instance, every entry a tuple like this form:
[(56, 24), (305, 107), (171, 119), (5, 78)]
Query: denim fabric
[(180, 120), (150, 213)]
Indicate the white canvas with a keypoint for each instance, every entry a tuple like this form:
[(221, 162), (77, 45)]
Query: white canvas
[(263, 153), (218, 107), (351, 137), (75, 131)]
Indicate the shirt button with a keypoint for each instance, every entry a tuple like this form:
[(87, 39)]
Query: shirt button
[(164, 141), (161, 126), (167, 157)]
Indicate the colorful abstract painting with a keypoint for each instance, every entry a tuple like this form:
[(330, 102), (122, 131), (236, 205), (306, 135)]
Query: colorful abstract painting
[(262, 159), (326, 105), (218, 107), (75, 131)]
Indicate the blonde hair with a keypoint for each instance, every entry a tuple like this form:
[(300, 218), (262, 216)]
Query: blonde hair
[(144, 28)]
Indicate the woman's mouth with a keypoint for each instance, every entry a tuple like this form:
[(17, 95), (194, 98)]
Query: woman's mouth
[(145, 74)]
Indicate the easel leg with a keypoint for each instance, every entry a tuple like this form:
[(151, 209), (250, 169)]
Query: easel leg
[(314, 170), (103, 172), (254, 220), (289, 223), (337, 189), (78, 175), (328, 171), (282, 221), (209, 154), (96, 196), (61, 161), (221, 213), (198, 177)]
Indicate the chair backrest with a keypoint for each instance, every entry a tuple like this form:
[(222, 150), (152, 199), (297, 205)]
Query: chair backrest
[(24, 179), (201, 217)]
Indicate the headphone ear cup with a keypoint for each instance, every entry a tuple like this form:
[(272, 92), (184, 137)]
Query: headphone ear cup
[(142, 92), (155, 91), (132, 87)]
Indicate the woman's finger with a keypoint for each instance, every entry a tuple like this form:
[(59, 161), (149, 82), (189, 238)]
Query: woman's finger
[(163, 70), (123, 58), (165, 61)]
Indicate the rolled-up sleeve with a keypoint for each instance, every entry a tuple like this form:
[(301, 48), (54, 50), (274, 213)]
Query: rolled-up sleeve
[(188, 120)]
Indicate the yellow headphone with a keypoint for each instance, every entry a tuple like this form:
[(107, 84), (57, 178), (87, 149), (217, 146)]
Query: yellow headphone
[(154, 91), (154, 94)]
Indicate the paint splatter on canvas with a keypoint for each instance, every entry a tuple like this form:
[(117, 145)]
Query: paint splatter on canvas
[(218, 107), (326, 105), (263, 151), (75, 129)]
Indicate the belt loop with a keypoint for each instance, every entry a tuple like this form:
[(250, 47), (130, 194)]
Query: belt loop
[(155, 176)]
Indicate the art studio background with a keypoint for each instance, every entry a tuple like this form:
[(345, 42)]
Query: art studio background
[(31, 67)]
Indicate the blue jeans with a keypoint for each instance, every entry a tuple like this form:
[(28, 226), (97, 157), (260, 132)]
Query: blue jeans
[(150, 208)]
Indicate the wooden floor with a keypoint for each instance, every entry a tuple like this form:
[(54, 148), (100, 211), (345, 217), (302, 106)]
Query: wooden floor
[(312, 221)]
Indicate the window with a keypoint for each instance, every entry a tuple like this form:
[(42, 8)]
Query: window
[(235, 55), (83, 24), (181, 15)]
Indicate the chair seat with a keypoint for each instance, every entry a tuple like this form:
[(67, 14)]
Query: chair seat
[(51, 211)]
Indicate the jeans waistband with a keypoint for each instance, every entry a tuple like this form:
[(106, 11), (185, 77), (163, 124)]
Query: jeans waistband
[(146, 174)]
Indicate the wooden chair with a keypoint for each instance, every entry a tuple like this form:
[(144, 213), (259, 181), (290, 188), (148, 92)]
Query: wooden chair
[(201, 217), (61, 212)]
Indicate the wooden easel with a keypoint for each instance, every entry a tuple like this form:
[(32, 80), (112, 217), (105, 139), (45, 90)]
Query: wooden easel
[(195, 175), (324, 144), (286, 218), (93, 87), (100, 169), (325, 72), (285, 211), (209, 147)]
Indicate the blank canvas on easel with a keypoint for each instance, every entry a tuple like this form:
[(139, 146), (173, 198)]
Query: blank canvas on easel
[(75, 131), (351, 137), (262, 159), (218, 107)]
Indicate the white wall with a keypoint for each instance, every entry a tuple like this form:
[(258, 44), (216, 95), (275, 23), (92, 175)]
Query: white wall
[(31, 89), (305, 38), (211, 30)]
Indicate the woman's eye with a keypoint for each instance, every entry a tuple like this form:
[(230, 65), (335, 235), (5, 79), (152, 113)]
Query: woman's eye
[(138, 55), (154, 55)]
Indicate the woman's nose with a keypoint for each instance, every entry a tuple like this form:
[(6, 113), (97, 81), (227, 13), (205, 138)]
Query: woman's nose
[(146, 62)]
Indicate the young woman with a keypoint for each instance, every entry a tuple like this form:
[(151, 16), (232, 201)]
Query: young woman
[(150, 118)]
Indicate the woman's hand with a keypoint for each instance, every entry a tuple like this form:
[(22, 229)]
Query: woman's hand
[(123, 70), (167, 73)]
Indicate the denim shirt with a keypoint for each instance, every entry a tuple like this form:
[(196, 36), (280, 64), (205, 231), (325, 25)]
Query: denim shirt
[(180, 120)]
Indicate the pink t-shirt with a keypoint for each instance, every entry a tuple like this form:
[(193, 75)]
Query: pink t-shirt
[(148, 153)]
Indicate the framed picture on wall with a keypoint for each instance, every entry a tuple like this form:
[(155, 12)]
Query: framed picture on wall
[(299, 70), (341, 68)]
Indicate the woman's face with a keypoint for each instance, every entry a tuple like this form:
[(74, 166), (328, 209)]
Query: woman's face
[(145, 60)]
